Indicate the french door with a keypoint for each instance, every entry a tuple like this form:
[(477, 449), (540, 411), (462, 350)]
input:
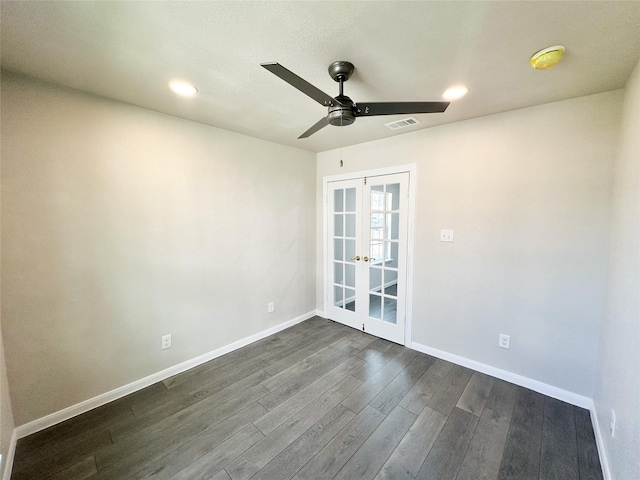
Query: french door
[(367, 254)]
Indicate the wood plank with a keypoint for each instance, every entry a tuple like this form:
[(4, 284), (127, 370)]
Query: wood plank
[(286, 464), (272, 420), (559, 453), (201, 457), (80, 471), (159, 446), (301, 354), (406, 460), (218, 378), (445, 398), (502, 397), (393, 393), (77, 430), (447, 454), (369, 389), (341, 348), (483, 457), (212, 393), (588, 459), (375, 360), (264, 451), (367, 461), (475, 394), (340, 363), (426, 386), (169, 432), (62, 460), (328, 462), (521, 456), (379, 345), (222, 475)]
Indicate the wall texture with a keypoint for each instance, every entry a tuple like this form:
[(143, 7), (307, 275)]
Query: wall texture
[(527, 193), (120, 225), (618, 368)]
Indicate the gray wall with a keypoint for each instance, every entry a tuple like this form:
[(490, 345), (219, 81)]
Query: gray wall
[(120, 225), (527, 193), (618, 370)]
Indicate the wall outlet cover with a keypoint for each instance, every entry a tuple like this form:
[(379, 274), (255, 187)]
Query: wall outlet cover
[(166, 342), (504, 341), (446, 236)]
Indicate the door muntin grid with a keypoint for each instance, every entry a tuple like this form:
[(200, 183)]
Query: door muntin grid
[(384, 225), (344, 248)]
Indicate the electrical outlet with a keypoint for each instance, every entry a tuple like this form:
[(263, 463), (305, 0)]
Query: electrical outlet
[(271, 307), (446, 236), (166, 342), (612, 424), (504, 341)]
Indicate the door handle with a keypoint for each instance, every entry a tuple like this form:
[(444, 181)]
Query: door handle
[(366, 259), (357, 258)]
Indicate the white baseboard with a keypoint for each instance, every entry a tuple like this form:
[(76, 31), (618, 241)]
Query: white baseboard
[(10, 454), (535, 385), (90, 404), (602, 453)]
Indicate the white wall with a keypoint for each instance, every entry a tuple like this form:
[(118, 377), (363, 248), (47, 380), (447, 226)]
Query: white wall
[(618, 371), (527, 193), (120, 225)]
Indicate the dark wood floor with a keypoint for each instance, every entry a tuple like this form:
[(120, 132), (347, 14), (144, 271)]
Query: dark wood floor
[(320, 401)]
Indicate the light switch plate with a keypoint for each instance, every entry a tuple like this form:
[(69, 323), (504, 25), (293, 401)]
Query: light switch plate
[(446, 236)]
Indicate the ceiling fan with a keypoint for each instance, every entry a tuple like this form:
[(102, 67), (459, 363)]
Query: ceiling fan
[(341, 109)]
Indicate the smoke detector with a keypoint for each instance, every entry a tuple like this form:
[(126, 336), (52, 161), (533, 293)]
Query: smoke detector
[(547, 58)]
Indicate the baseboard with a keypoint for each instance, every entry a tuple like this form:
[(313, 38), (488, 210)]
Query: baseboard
[(10, 454), (90, 404), (602, 453), (535, 385)]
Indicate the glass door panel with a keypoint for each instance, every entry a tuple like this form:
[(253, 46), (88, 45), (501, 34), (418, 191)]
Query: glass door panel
[(387, 232), (344, 231)]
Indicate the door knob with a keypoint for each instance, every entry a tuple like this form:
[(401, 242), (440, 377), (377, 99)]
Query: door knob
[(366, 259), (356, 258)]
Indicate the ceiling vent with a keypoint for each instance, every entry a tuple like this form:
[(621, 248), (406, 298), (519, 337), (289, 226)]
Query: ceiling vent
[(404, 123)]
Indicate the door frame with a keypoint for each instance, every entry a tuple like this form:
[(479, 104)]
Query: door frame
[(411, 169)]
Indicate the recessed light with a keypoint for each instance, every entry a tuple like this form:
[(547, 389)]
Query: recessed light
[(183, 88), (454, 93), (547, 58)]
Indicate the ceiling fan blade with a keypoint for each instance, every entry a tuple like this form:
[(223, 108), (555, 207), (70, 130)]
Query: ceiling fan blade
[(323, 122), (398, 108), (301, 84)]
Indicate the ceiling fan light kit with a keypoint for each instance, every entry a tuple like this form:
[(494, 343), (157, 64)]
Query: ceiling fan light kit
[(342, 110), (547, 57)]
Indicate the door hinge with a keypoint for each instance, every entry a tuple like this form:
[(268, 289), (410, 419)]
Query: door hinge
[(365, 180)]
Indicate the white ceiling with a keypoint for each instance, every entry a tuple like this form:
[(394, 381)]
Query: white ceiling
[(402, 51)]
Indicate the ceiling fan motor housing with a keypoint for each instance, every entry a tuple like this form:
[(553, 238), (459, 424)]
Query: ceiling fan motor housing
[(341, 115)]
